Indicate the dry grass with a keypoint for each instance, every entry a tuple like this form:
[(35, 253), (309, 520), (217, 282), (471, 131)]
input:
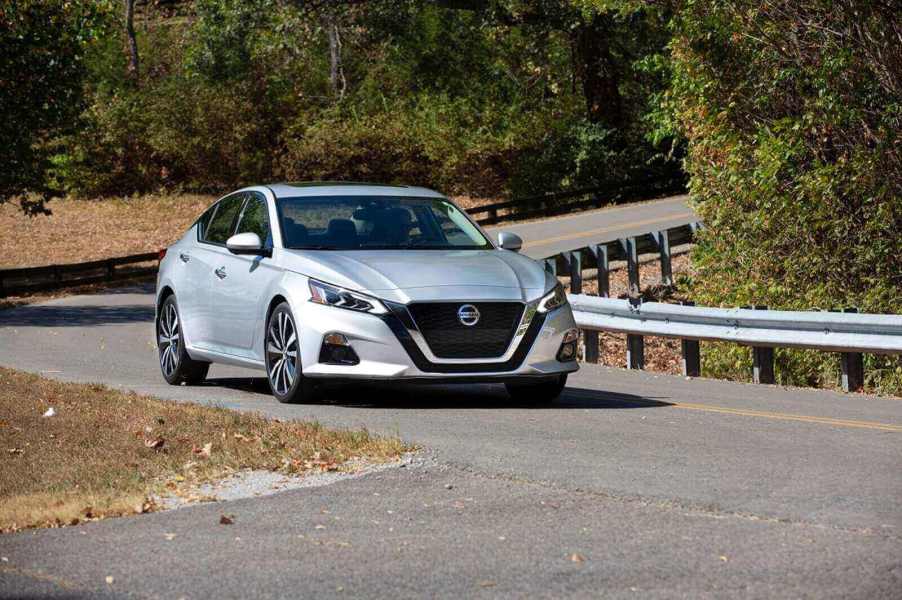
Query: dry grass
[(82, 230), (107, 453)]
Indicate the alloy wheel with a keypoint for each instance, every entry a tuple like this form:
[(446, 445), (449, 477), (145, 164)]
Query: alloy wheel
[(168, 338), (282, 352)]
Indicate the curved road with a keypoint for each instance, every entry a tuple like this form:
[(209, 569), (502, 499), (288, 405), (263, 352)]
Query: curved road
[(559, 234), (631, 485)]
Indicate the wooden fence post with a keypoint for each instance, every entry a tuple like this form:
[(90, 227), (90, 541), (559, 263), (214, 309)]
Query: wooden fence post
[(852, 364), (662, 239), (762, 361), (632, 264), (604, 274), (691, 354), (635, 351), (575, 262)]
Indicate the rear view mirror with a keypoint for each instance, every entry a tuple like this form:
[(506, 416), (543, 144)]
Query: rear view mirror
[(510, 241), (245, 243)]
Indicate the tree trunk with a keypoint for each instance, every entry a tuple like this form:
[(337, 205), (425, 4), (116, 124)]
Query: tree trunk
[(132, 42), (336, 71), (597, 71)]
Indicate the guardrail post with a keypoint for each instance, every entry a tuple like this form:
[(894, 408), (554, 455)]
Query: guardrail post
[(632, 264), (691, 353), (604, 274), (635, 351), (493, 215), (852, 364), (110, 269), (575, 262), (762, 361), (662, 239)]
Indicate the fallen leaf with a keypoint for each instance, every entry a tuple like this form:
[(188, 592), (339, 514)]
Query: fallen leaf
[(109, 579), (155, 443), (724, 558), (15, 451), (170, 536), (50, 412), (205, 451), (486, 584), (577, 557), (227, 520)]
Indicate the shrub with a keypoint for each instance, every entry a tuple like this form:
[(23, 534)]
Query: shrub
[(792, 113)]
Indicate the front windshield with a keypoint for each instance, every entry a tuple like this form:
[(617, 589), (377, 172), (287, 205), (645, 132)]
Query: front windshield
[(376, 223)]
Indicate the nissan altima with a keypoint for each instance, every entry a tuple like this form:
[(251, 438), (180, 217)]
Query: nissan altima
[(334, 282)]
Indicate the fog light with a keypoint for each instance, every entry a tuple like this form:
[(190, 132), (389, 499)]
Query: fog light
[(567, 351), (336, 350), (335, 339)]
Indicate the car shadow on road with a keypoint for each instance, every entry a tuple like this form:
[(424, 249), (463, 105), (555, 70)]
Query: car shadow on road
[(459, 396), (75, 316)]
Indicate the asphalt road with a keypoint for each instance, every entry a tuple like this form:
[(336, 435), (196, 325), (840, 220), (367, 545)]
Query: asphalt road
[(558, 234), (657, 486)]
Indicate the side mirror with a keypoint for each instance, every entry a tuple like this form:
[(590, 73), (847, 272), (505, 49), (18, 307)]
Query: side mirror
[(510, 241), (245, 243)]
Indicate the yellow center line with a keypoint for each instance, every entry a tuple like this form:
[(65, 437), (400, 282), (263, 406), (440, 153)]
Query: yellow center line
[(790, 417), (592, 232), (876, 425)]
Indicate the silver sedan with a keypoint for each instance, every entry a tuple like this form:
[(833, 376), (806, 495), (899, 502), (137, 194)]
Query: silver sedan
[(318, 282)]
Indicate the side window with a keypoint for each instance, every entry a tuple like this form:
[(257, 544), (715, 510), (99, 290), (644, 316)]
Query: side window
[(255, 219), (220, 228), (203, 221)]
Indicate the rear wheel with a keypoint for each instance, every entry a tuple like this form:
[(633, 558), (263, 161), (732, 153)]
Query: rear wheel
[(177, 367), (283, 359), (537, 391)]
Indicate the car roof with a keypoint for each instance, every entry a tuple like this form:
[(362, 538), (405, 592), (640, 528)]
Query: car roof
[(348, 188)]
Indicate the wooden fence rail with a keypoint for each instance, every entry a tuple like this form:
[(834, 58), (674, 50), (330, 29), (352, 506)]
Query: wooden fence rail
[(53, 277)]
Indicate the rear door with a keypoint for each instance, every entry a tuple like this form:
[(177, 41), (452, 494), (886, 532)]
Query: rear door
[(205, 259), (237, 303)]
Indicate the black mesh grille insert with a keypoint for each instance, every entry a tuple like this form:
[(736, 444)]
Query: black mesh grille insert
[(449, 338)]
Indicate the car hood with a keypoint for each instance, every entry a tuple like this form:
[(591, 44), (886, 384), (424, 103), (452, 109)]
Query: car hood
[(405, 275)]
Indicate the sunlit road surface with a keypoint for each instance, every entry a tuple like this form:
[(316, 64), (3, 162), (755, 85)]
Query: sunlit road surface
[(631, 485)]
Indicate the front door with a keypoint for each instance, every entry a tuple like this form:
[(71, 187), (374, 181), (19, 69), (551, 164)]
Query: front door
[(240, 281)]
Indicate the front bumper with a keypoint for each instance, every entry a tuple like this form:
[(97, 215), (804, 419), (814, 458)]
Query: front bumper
[(386, 350)]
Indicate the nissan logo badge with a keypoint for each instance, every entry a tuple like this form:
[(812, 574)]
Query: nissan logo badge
[(468, 315)]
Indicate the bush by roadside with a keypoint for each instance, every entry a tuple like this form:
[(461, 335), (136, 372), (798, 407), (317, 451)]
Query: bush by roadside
[(74, 452)]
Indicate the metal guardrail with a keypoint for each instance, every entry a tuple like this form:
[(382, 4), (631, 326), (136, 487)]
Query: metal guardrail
[(849, 333), (52, 277)]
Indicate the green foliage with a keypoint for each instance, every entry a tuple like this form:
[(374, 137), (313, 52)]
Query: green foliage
[(792, 113), (42, 67), (479, 102)]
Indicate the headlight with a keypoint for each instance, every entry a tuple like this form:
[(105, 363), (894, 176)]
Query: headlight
[(553, 299), (330, 295)]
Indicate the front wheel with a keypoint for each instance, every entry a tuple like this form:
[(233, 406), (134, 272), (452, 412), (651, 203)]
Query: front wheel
[(539, 391), (283, 359), (176, 365)]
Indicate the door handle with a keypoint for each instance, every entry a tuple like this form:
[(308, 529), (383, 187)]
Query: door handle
[(184, 257), (220, 272)]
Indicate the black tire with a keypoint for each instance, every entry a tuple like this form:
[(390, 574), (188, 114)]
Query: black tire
[(283, 371), (537, 391), (176, 366)]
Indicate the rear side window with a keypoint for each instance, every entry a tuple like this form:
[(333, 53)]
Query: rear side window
[(203, 221), (255, 219), (223, 223)]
